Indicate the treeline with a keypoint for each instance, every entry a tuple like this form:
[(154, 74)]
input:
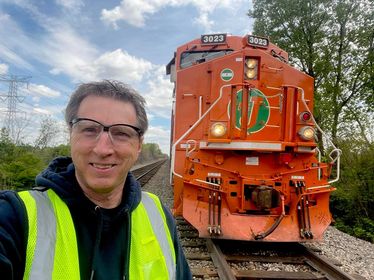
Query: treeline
[(333, 41), (352, 204), (20, 163)]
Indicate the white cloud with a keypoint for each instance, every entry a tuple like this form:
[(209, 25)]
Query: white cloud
[(46, 109), (159, 135), (3, 68), (66, 52), (203, 20), (120, 65), (43, 90), (72, 5), (13, 43), (81, 61), (42, 111), (117, 64), (60, 46), (133, 12), (136, 12), (159, 94)]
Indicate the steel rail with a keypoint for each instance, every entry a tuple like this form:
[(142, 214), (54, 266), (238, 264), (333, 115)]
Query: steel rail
[(223, 268), (286, 253), (142, 171)]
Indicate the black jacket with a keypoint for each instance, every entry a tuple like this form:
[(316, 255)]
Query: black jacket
[(102, 234)]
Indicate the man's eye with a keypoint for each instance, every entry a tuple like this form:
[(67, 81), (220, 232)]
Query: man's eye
[(121, 133), (90, 129)]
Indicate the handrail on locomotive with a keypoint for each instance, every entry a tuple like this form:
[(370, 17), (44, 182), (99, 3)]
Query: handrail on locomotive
[(335, 150)]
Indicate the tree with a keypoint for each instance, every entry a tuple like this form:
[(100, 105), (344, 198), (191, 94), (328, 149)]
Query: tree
[(21, 171), (49, 153), (352, 203), (47, 133), (6, 146), (18, 164), (332, 41), (20, 124), (150, 151)]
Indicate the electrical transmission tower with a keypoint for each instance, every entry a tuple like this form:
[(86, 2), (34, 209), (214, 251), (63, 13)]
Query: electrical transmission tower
[(13, 98)]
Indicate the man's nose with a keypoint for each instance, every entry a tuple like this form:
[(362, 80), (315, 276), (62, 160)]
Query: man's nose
[(104, 144)]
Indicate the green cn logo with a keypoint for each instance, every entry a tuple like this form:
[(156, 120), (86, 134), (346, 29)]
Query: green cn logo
[(227, 74), (260, 109)]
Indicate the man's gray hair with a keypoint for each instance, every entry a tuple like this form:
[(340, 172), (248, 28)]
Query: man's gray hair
[(108, 88)]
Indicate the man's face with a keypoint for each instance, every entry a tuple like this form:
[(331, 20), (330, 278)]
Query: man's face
[(101, 163)]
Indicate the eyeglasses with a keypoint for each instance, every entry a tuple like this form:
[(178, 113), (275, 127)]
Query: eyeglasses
[(91, 130)]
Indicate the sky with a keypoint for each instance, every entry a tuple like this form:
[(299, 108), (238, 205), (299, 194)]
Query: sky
[(54, 45)]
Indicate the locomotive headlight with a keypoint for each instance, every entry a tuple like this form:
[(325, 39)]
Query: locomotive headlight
[(218, 129), (251, 63), (251, 68), (251, 73), (307, 133)]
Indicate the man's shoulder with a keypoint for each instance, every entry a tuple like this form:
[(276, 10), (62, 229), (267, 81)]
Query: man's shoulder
[(11, 206), (8, 195)]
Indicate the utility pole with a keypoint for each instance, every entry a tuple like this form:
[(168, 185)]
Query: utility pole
[(13, 99)]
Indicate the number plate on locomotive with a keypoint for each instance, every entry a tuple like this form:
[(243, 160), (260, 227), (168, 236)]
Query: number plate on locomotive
[(259, 42), (213, 39)]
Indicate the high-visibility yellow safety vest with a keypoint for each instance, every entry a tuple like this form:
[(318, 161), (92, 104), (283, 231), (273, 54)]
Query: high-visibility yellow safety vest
[(52, 250)]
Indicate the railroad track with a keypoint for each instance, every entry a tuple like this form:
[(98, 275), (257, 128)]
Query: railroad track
[(214, 259), (217, 259), (145, 172)]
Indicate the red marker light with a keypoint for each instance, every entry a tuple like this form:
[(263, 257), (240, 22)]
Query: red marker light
[(305, 116)]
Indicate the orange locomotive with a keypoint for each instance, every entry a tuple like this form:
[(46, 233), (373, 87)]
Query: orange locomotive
[(244, 159)]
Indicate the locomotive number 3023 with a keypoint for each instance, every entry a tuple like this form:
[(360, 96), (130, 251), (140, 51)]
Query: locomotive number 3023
[(213, 39), (258, 41)]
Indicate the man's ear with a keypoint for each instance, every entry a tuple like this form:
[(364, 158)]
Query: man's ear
[(140, 144)]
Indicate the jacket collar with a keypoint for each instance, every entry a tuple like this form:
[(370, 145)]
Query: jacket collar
[(60, 176)]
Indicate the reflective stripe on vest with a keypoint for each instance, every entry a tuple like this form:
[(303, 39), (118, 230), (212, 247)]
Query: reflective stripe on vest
[(52, 246), (152, 256), (52, 251)]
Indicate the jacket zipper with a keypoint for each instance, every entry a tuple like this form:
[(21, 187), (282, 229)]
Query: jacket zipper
[(127, 256), (97, 240)]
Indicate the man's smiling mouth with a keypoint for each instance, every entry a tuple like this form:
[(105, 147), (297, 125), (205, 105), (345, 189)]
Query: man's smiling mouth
[(102, 166)]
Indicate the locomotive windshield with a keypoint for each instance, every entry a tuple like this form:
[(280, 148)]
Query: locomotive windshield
[(191, 58)]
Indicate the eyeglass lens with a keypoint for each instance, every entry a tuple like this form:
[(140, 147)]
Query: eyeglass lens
[(92, 130)]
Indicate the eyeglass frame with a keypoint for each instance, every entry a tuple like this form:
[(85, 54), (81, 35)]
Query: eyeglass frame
[(106, 127)]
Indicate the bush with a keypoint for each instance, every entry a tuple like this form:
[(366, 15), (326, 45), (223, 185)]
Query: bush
[(352, 205)]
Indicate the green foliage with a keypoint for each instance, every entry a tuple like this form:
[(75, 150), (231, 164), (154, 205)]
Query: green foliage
[(352, 204), (363, 228), (6, 146), (18, 164), (332, 41), (150, 152), (22, 170), (48, 153)]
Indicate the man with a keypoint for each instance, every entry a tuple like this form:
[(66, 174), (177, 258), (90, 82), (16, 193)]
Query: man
[(87, 217)]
